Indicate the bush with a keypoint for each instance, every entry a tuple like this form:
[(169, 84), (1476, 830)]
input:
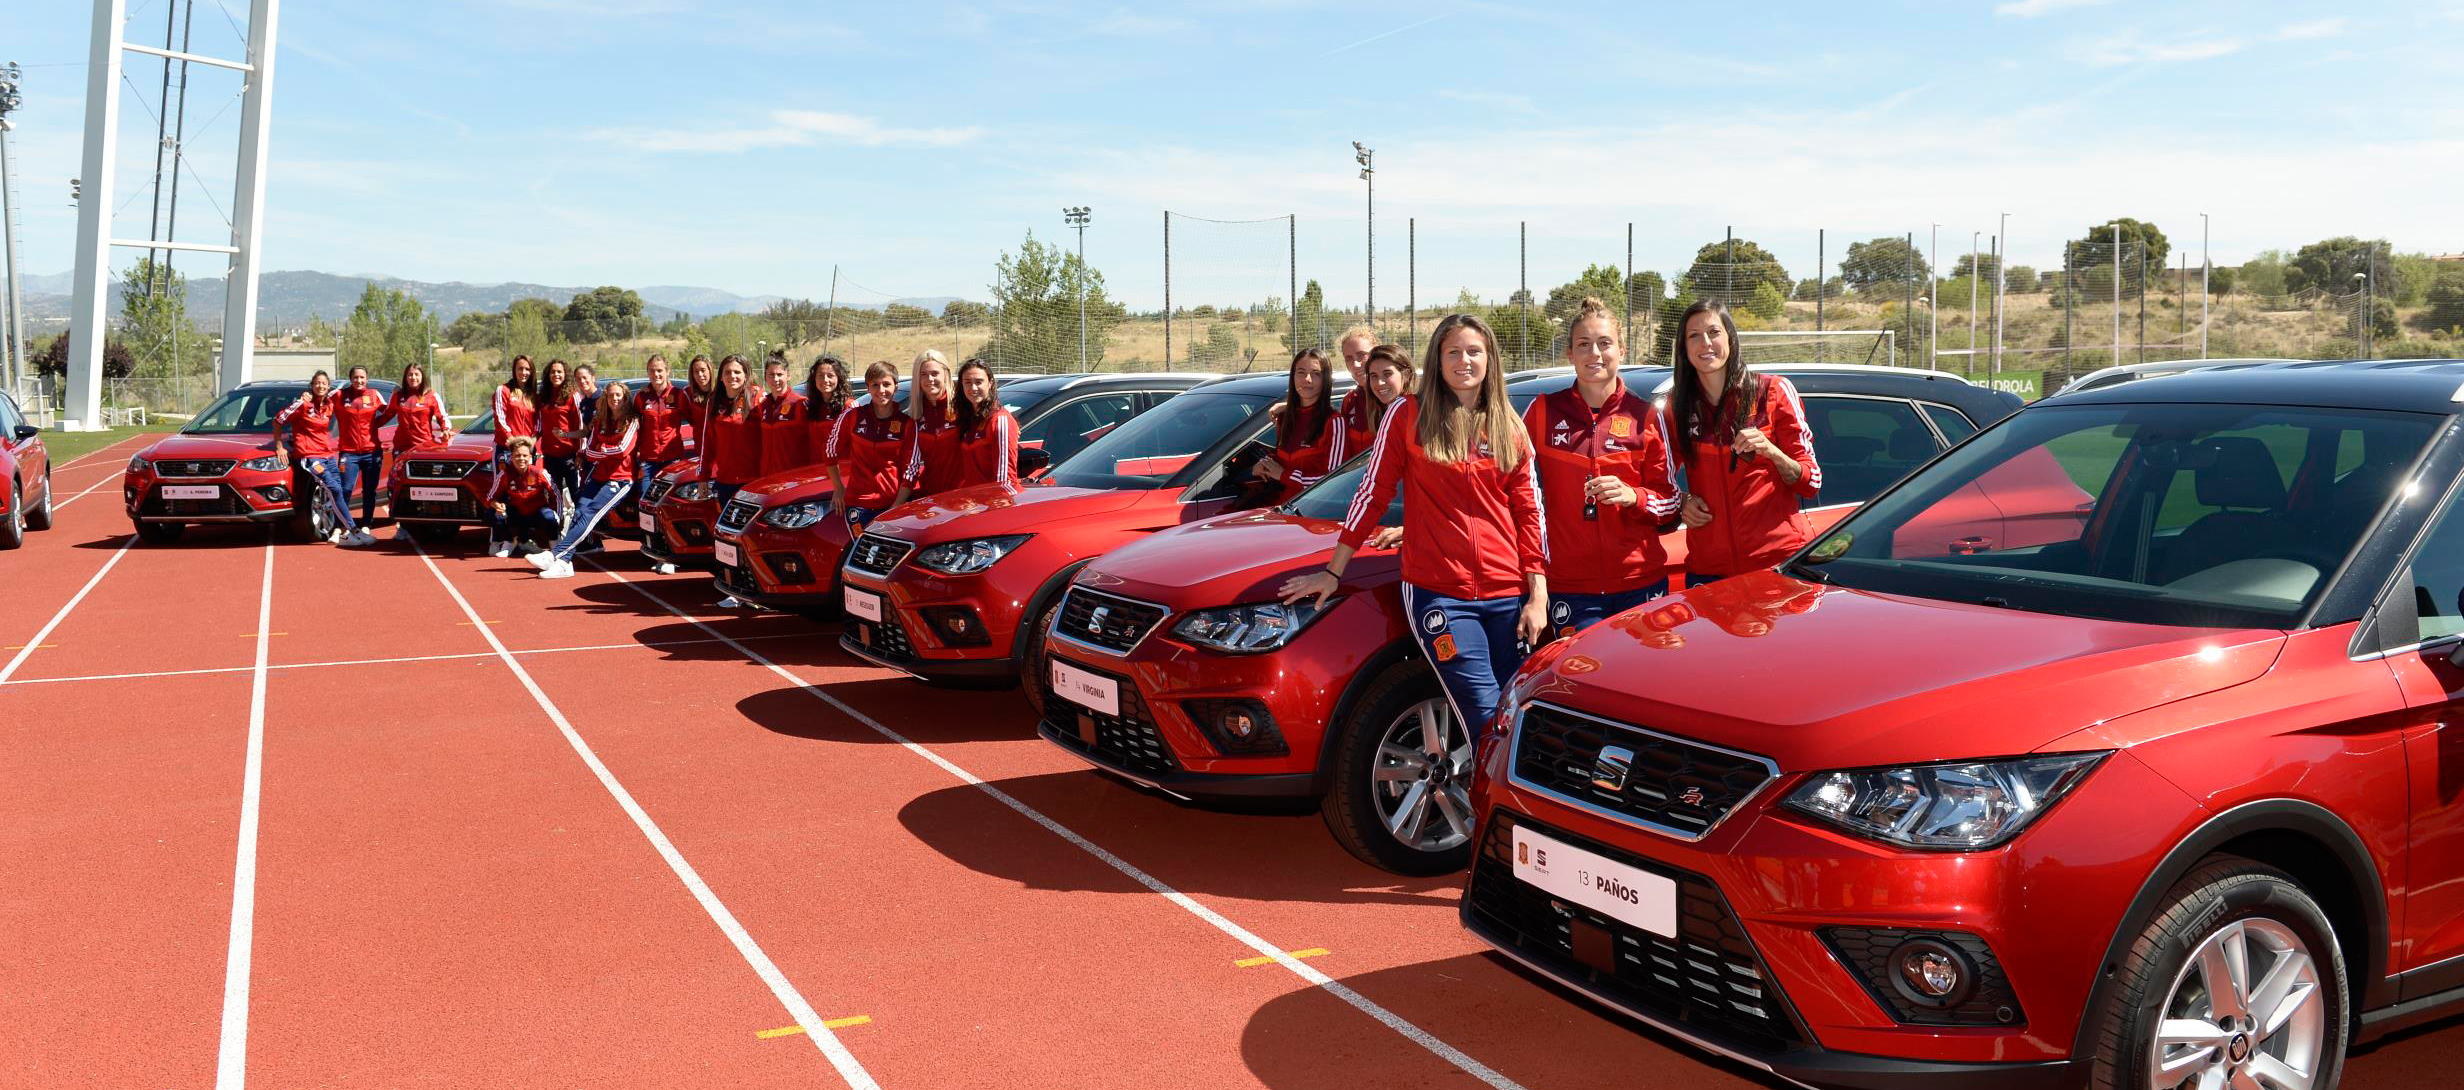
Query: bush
[(118, 361)]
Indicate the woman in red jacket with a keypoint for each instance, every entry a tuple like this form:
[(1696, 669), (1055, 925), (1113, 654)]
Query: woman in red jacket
[(731, 432), (522, 503), (1746, 450), (867, 450), (660, 408), (607, 457), (782, 421), (1387, 376), (932, 439), (560, 425), (1475, 556), (417, 413), (701, 383), (825, 397), (1603, 481), (1302, 430), (516, 409), (308, 423), (987, 433), (359, 412)]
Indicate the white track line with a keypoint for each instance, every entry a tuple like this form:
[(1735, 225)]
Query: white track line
[(385, 662), (231, 1066), (28, 650), (828, 1042), (1360, 1002), (58, 504), (93, 454)]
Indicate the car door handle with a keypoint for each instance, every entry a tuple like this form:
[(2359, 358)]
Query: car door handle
[(1970, 546)]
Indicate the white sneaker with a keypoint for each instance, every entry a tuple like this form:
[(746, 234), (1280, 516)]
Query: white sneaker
[(334, 536), (730, 602), (557, 569), (664, 568), (541, 559), (501, 549)]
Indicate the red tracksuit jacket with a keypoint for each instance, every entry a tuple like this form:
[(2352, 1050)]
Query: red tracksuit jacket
[(869, 451), (610, 454), (783, 428), (1618, 549), (989, 453), (931, 464), (558, 415), (731, 442), (660, 412), (419, 420), (310, 423), (1755, 517), (358, 414), (1474, 529), (528, 492), (1353, 429), (516, 416), (820, 423), (1304, 456)]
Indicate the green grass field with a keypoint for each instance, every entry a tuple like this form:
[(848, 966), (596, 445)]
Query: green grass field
[(68, 446)]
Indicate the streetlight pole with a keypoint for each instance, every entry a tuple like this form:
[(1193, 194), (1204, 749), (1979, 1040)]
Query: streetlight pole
[(1078, 217), (14, 360), (2204, 265), (1976, 269), (1362, 154), (2001, 285), (1933, 301)]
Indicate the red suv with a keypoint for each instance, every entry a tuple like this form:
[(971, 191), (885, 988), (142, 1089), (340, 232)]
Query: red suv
[(224, 466), (25, 469), (775, 549), (2167, 800), (941, 587), (437, 491), (1228, 692)]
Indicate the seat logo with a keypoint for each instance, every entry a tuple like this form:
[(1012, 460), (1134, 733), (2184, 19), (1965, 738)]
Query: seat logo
[(1608, 770), (1692, 796), (1095, 620)]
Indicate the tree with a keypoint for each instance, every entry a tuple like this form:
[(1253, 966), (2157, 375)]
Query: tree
[(959, 312), (2020, 280), (1038, 295), (905, 316), (319, 331), (1525, 335), (154, 321), (2330, 265), (798, 320), (1269, 313), (1730, 273), (745, 335), (1603, 282), (52, 359), (1767, 302), (676, 326), (1879, 261), (475, 329), (2263, 275), (2445, 299), (1309, 321), (2096, 247), (385, 332), (604, 314), (1970, 264)]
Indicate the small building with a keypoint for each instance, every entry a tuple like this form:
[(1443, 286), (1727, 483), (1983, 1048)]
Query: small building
[(288, 363)]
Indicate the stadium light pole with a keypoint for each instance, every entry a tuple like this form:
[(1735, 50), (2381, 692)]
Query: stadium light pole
[(1078, 217), (14, 358), (2001, 282), (2362, 328), (2204, 265), (1975, 269), (1933, 300), (1361, 154)]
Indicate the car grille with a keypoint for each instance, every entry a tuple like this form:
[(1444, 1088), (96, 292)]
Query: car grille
[(736, 581), (738, 514), (1127, 741), (1105, 620), (1670, 785), (466, 509), (433, 469), (227, 504), (1708, 977), (657, 490), (876, 554), (201, 467), (887, 639), (696, 533)]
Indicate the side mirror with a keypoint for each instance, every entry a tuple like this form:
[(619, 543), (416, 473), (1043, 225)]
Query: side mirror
[(2455, 657), (1033, 461), (28, 431)]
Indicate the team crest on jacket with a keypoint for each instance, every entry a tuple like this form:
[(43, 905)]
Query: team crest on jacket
[(1433, 622), (1621, 426)]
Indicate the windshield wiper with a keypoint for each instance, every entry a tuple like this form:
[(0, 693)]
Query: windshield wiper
[(1807, 572)]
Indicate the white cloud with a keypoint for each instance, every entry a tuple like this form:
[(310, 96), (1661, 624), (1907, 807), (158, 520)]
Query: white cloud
[(2132, 47), (2030, 9), (787, 129), (2315, 28)]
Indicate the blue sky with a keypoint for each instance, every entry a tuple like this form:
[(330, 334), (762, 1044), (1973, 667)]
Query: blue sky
[(750, 147)]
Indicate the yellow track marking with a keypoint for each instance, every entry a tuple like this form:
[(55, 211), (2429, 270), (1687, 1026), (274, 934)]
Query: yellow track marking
[(1252, 963), (835, 1023)]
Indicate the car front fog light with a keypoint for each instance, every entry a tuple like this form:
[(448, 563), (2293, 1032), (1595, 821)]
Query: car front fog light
[(1930, 972)]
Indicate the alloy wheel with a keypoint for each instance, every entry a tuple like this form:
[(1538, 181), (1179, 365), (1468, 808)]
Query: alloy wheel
[(2246, 1012), (1423, 778)]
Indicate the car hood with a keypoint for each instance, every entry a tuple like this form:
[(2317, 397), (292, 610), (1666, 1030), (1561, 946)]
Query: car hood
[(989, 509), (1816, 677), (242, 446), (1231, 559), (793, 486), (682, 470)]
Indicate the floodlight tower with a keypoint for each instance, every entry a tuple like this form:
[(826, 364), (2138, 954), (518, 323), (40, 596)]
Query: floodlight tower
[(1362, 154), (13, 358), (1078, 217)]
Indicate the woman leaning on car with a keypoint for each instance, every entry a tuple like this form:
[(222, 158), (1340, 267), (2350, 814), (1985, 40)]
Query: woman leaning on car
[(516, 408), (1604, 479), (731, 432), (607, 475), (931, 464), (782, 420), (1386, 377), (307, 423), (560, 424), (867, 449), (1475, 558), (1747, 453), (987, 433), (701, 384), (1303, 423), (825, 397), (659, 408)]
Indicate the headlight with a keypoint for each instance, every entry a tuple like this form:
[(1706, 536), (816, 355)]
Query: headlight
[(693, 491), (138, 465), (266, 464), (1249, 629), (1962, 806), (969, 556), (795, 516)]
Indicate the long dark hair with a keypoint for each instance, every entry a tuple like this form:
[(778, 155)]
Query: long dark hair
[(721, 402), (971, 415), (1297, 425), (816, 406), (1686, 409), (514, 381), (704, 393), (558, 389), (615, 408), (405, 388), (1402, 361)]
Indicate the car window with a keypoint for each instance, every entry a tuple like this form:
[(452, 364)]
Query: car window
[(1954, 426), (242, 411), (1865, 444), (1331, 498), (9, 419), (1155, 446), (2438, 574), (1067, 429)]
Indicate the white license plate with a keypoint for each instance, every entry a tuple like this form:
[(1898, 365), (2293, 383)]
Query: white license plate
[(1637, 897), (440, 495), (650, 522), (1089, 690), (726, 552), (191, 492), (865, 604)]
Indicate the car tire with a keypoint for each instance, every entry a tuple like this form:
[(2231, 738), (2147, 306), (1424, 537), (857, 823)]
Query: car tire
[(160, 533), (432, 535), (1371, 783), (13, 524), (40, 517), (316, 522), (2289, 956), (1030, 640)]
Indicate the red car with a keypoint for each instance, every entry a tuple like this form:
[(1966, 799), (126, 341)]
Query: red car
[(943, 587), (1221, 690), (25, 466), (775, 549), (2169, 800), (438, 491), (224, 467)]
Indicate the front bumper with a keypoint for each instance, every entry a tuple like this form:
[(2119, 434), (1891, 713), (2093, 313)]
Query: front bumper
[(787, 569), (242, 498), (902, 640), (684, 533)]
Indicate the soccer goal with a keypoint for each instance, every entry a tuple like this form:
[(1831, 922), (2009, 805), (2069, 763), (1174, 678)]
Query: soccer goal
[(1879, 347)]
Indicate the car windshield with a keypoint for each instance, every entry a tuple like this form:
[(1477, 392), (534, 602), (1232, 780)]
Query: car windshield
[(1147, 451), (2195, 515), (1019, 401), (243, 411), (1331, 498)]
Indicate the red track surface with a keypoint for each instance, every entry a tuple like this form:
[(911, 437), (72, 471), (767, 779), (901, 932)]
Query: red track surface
[(446, 893)]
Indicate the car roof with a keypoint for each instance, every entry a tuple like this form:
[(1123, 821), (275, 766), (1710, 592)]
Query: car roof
[(1144, 380), (2428, 386), (1267, 382), (302, 384), (2127, 372), (1859, 369)]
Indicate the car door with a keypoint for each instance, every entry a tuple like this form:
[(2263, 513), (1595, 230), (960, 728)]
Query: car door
[(2433, 684), (1866, 444), (1067, 428), (32, 458)]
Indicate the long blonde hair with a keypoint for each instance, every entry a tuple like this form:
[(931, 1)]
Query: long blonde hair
[(1446, 425), (915, 380)]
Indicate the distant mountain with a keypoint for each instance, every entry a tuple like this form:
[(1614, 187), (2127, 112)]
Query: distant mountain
[(290, 298), (702, 301)]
